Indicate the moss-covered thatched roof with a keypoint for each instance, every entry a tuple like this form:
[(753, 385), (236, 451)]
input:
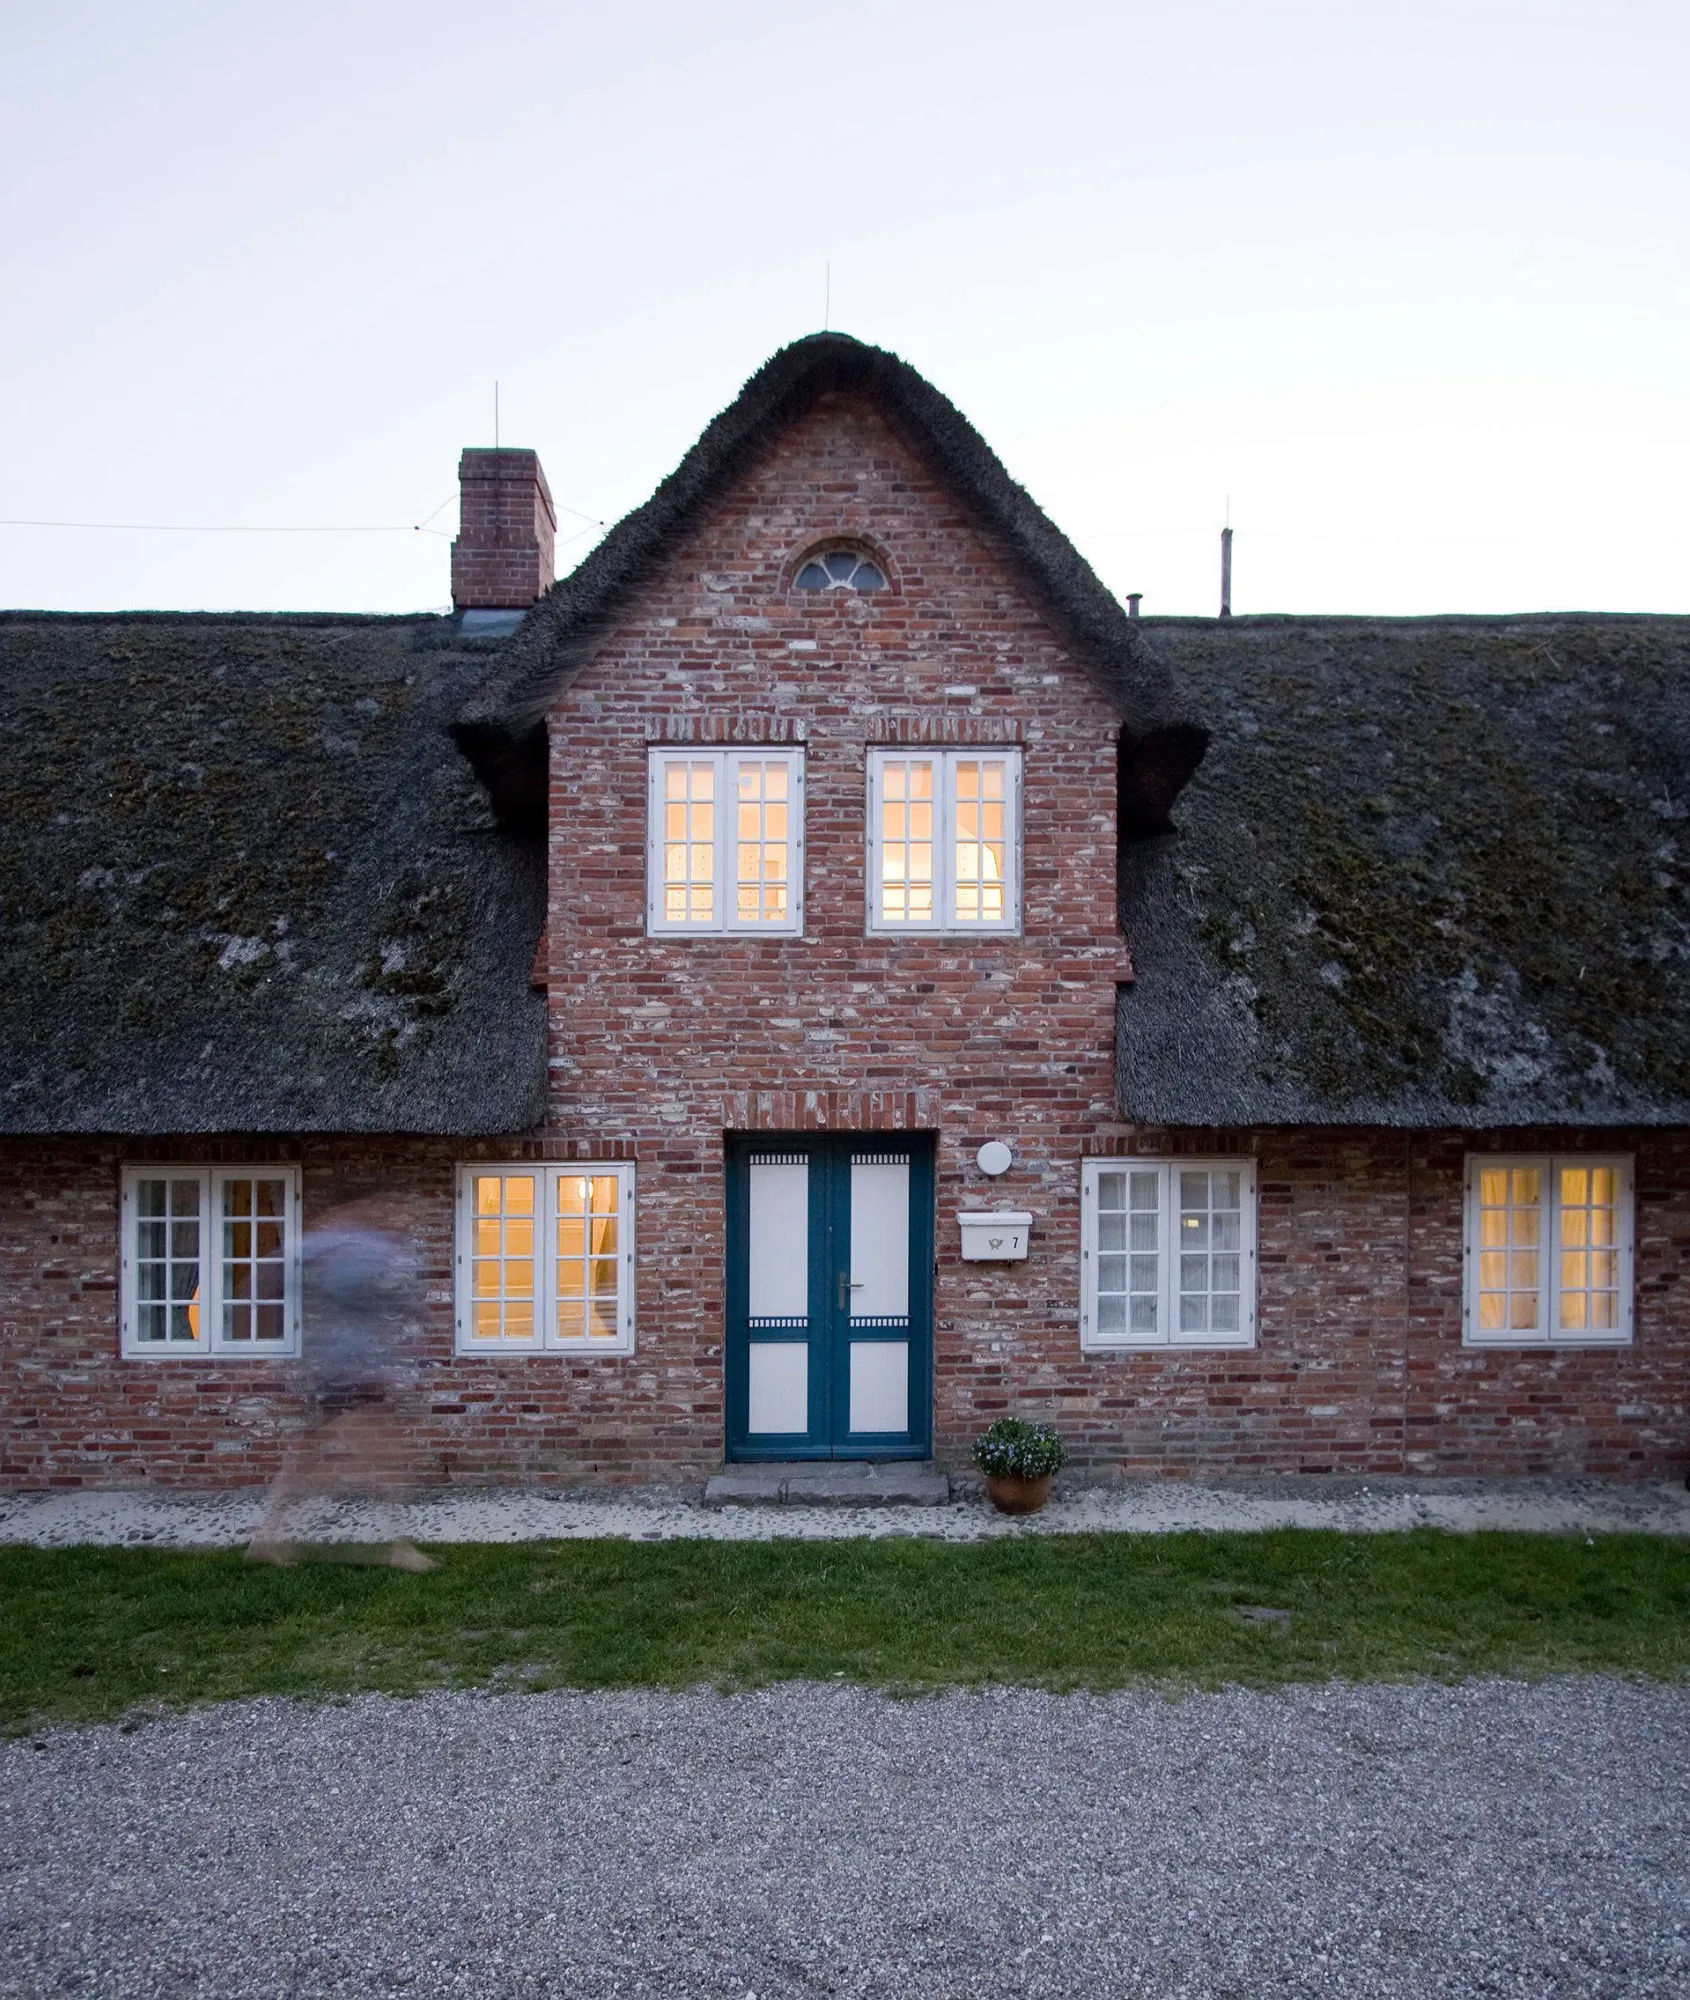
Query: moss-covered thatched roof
[(247, 883), (502, 727), (1433, 871)]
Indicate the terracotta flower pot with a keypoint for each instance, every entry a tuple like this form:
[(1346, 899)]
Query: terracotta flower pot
[(1010, 1495)]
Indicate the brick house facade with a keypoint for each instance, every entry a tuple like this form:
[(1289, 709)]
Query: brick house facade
[(457, 1017)]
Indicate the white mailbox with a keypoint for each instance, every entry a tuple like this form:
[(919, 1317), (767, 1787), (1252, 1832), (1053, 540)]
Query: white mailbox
[(999, 1238)]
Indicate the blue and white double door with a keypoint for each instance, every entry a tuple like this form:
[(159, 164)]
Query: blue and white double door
[(829, 1295)]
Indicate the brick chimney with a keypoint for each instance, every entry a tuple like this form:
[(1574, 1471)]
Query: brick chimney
[(502, 559)]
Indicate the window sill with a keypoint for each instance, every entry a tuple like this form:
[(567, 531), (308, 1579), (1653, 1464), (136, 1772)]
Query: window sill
[(1540, 1343), (511, 1350), (947, 934), (1240, 1345), (184, 1352)]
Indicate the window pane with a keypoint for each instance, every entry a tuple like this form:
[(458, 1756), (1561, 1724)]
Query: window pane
[(1587, 1295), (980, 848), (254, 1257), (1128, 1287), (1211, 1234), (689, 840), (761, 864), (589, 1268), (502, 1256), (906, 843), (1509, 1231)]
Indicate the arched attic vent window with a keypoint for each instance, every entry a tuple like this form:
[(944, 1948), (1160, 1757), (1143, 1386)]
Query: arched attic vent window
[(840, 569)]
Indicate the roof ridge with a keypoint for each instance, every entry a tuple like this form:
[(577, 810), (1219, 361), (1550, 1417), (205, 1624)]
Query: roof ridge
[(554, 637)]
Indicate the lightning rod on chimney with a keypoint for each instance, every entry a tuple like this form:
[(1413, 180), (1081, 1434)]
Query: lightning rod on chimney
[(1226, 562)]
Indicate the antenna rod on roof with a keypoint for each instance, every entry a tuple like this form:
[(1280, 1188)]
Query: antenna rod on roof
[(827, 295), (1226, 572)]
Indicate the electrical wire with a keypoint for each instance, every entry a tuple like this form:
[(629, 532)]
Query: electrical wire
[(234, 528), (244, 528)]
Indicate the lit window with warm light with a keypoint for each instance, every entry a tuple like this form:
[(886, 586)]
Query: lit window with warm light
[(1548, 1251), (209, 1262), (944, 840), (545, 1259), (725, 841)]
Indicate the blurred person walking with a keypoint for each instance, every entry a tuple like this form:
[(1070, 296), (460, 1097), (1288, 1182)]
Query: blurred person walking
[(360, 1292)]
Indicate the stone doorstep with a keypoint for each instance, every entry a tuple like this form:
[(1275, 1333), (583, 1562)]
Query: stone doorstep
[(830, 1483)]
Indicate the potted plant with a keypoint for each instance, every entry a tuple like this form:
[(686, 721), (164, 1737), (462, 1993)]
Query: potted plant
[(1019, 1460)]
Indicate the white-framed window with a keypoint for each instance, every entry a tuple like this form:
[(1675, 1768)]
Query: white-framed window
[(725, 840), (944, 840), (1549, 1250), (545, 1259), (1167, 1253), (209, 1261)]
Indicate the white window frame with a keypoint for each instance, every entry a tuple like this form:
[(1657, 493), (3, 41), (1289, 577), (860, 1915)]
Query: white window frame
[(210, 1341), (1167, 1337), (547, 1340), (727, 765), (945, 922), (1552, 1333)]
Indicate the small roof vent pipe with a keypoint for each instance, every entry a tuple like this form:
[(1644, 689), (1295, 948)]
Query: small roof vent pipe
[(1226, 572)]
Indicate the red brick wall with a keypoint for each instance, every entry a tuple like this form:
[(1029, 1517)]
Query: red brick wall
[(1359, 1366), (660, 1046), (668, 1043)]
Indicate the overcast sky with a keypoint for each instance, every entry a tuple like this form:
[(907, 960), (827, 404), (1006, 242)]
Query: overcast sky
[(1410, 283)]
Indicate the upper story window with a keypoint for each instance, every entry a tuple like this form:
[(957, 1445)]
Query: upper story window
[(725, 841), (840, 569), (1549, 1251), (944, 840), (210, 1261)]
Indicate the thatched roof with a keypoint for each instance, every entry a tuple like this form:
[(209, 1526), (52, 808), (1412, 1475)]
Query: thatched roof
[(501, 729), (247, 884), (1433, 871)]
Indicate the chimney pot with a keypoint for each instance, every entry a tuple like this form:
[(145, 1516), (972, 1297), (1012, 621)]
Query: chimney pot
[(507, 531), (1134, 599)]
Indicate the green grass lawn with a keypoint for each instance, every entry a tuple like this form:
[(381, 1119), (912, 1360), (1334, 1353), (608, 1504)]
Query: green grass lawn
[(90, 1633)]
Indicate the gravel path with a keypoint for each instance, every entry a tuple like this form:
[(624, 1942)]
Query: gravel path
[(1492, 1839), (163, 1519)]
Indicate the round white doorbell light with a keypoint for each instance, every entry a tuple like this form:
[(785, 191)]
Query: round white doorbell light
[(994, 1157)]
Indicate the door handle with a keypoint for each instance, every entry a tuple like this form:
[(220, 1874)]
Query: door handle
[(846, 1287)]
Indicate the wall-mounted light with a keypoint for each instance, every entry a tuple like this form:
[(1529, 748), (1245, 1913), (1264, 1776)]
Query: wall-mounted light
[(994, 1157)]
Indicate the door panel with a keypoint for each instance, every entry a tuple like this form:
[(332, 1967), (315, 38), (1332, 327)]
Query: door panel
[(778, 1387), (880, 1236), (779, 1219), (829, 1296), (880, 1385)]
